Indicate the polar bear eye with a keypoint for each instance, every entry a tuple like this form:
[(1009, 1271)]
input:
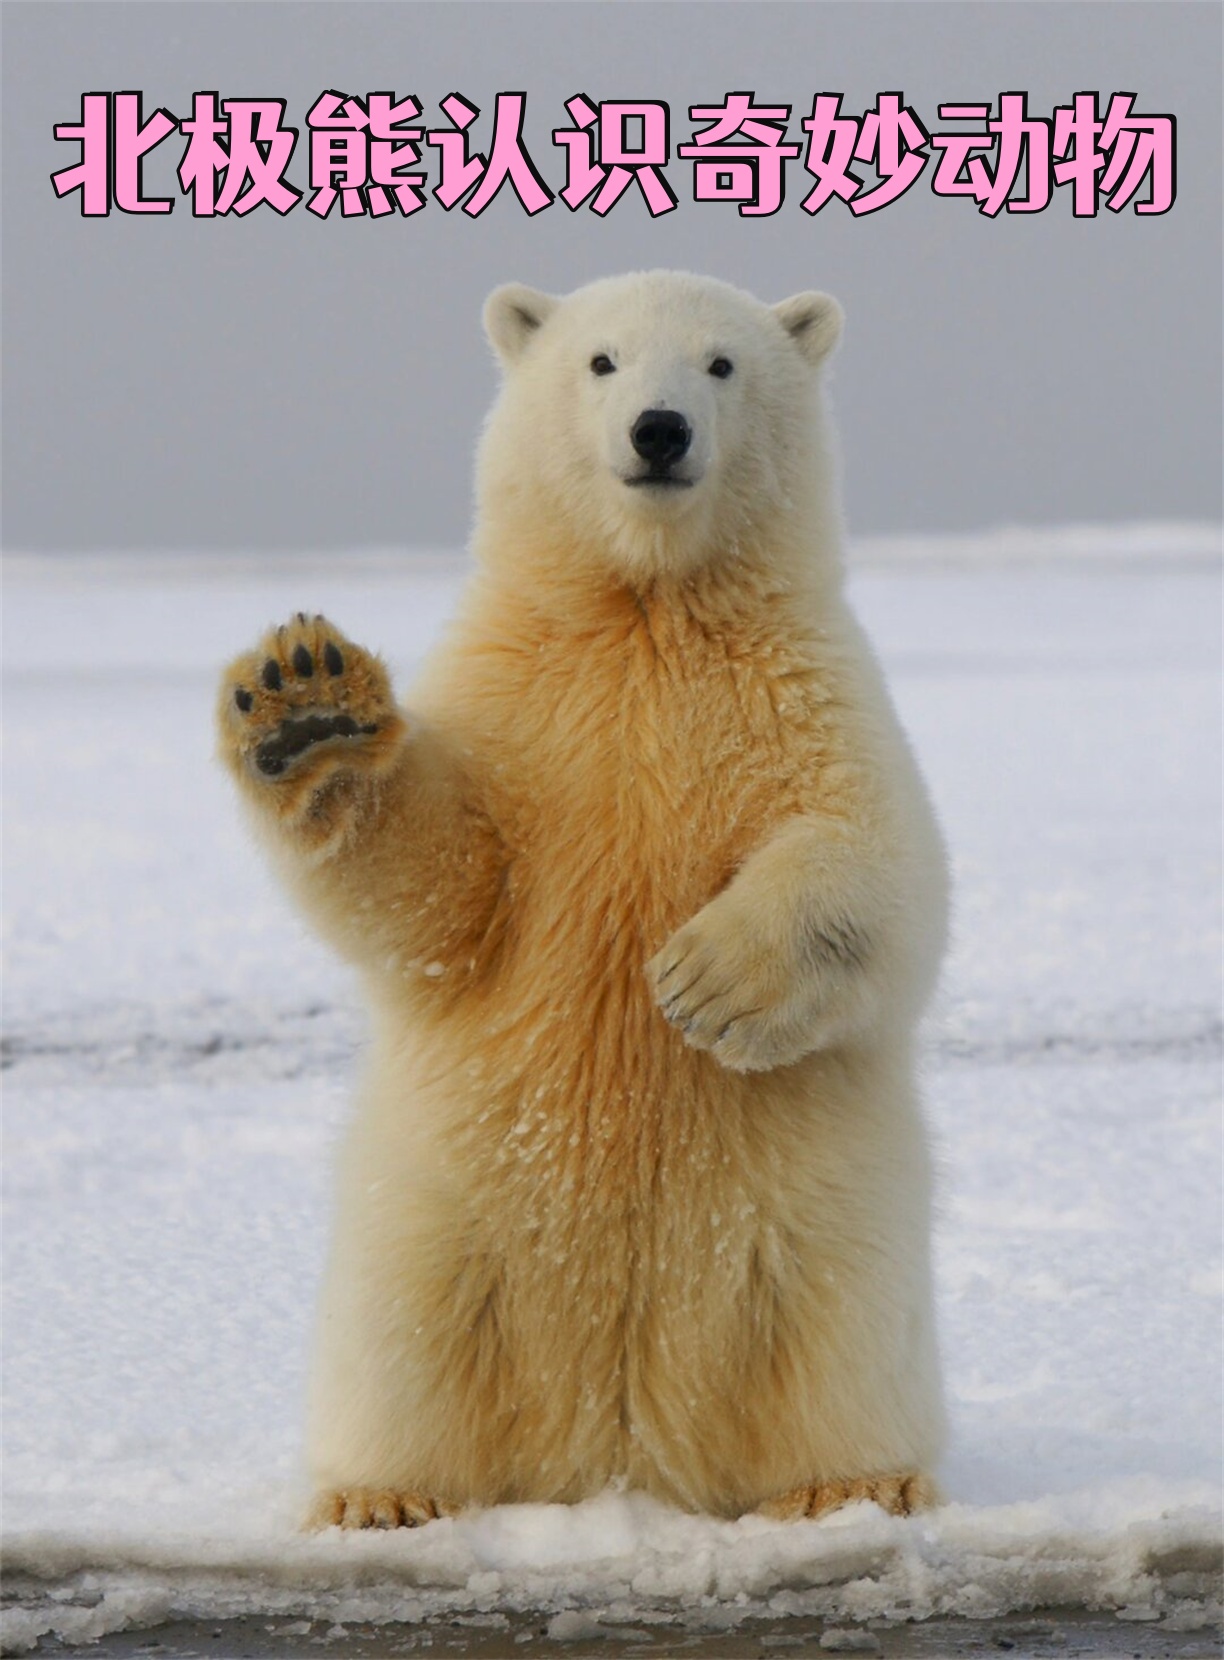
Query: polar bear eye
[(721, 367), (602, 365)]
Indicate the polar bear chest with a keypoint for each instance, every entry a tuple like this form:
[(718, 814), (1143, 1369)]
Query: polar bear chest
[(652, 754), (630, 769)]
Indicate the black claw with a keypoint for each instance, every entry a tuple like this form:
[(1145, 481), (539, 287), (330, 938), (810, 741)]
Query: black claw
[(302, 618), (271, 675), (244, 700), (302, 664), (332, 658)]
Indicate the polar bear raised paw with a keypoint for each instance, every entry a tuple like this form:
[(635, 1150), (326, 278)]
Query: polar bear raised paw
[(305, 709), (384, 1507), (305, 685)]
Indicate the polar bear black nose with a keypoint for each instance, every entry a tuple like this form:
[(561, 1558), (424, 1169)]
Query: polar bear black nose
[(661, 436)]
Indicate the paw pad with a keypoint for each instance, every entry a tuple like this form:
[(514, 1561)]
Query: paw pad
[(294, 737)]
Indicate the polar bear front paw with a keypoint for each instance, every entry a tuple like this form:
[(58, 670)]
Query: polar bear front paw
[(384, 1507), (732, 990), (306, 703)]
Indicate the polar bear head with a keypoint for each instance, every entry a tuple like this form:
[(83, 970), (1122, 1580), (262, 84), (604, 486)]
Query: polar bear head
[(656, 422)]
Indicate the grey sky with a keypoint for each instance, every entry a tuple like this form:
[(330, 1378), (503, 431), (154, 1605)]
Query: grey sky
[(295, 383)]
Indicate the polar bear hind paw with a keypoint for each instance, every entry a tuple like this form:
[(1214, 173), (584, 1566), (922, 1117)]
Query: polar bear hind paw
[(900, 1495), (384, 1507), (303, 693)]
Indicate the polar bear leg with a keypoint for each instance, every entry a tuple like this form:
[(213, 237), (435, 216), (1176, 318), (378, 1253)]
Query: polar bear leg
[(377, 827), (790, 957)]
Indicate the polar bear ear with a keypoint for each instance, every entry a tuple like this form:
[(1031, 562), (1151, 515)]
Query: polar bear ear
[(512, 315), (814, 323)]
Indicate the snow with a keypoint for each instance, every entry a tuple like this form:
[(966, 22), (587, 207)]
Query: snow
[(180, 1051)]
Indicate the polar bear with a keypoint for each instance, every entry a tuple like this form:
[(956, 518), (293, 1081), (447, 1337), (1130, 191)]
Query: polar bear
[(647, 897)]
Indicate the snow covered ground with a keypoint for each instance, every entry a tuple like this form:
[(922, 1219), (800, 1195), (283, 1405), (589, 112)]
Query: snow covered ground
[(180, 1051)]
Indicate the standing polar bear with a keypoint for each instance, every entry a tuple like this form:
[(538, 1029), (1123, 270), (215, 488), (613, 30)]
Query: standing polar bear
[(647, 897)]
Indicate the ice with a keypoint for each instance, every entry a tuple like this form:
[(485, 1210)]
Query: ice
[(180, 1053)]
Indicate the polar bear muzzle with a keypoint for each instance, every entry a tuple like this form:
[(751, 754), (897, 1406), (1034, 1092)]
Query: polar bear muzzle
[(661, 437)]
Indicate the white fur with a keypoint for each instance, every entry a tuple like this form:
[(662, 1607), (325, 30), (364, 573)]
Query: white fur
[(647, 909), (559, 445)]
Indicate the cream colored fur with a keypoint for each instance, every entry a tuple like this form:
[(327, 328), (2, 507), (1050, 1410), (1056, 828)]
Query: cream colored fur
[(647, 898)]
